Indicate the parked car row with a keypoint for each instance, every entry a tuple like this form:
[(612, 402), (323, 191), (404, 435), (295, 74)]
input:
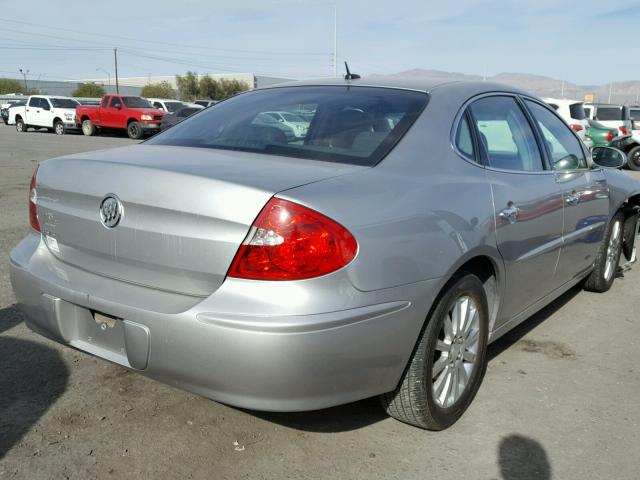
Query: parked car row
[(135, 115), (603, 124)]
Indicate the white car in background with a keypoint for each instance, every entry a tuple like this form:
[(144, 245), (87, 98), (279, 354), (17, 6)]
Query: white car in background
[(572, 112), (56, 114), (168, 105)]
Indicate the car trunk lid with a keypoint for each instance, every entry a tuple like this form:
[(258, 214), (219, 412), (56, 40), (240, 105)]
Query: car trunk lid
[(185, 210)]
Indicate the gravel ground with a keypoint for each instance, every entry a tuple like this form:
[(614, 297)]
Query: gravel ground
[(560, 398)]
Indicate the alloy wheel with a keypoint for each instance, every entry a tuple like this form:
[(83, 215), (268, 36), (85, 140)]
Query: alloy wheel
[(612, 250), (456, 350)]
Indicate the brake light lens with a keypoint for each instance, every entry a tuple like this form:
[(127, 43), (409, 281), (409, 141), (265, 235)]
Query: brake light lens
[(576, 128), (291, 242), (33, 203), (624, 130), (609, 136)]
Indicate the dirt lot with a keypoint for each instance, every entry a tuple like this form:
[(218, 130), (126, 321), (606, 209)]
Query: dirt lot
[(560, 399)]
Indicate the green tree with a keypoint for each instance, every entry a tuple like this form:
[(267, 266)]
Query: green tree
[(158, 90), (187, 86), (208, 88), (220, 89), (8, 85), (231, 87), (90, 89)]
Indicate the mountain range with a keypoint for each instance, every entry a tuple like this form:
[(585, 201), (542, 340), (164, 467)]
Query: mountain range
[(621, 92)]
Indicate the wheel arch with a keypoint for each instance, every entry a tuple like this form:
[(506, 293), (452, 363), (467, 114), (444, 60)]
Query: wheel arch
[(486, 264), (631, 210), (56, 120), (132, 119)]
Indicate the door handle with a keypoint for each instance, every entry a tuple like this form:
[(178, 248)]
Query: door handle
[(573, 198), (510, 213)]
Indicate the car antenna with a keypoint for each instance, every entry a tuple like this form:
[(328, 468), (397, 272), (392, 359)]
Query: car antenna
[(349, 75)]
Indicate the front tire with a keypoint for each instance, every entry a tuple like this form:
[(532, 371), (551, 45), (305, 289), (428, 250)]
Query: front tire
[(58, 128), (20, 126), (448, 364), (606, 265), (88, 128), (634, 158), (134, 130)]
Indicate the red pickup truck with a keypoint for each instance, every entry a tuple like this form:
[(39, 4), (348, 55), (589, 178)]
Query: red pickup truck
[(135, 114)]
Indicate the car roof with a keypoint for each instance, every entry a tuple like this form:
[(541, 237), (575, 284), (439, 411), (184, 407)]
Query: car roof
[(407, 83)]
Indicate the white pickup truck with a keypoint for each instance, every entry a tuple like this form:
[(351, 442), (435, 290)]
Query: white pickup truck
[(56, 114)]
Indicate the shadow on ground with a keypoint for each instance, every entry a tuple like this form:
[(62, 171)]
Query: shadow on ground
[(32, 377), (515, 335), (522, 458), (343, 418)]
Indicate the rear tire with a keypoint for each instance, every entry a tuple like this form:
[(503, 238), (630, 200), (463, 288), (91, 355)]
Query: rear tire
[(449, 361), (20, 125), (58, 128), (134, 130), (634, 158), (88, 128), (606, 265)]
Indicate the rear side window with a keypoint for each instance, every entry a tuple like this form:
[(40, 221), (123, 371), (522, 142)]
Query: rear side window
[(344, 124), (587, 111), (577, 111), (635, 114), (464, 141), (505, 135), (609, 113), (562, 145), (64, 103)]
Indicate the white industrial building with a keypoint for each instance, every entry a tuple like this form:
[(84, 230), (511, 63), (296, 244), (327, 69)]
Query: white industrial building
[(254, 81)]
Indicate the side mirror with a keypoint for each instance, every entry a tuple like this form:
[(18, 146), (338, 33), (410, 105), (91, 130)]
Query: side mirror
[(46, 107), (118, 106), (608, 157)]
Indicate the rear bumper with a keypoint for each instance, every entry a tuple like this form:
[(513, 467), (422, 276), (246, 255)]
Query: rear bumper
[(286, 346)]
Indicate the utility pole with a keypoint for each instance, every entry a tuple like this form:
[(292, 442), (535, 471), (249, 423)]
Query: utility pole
[(335, 40), (24, 75), (115, 57)]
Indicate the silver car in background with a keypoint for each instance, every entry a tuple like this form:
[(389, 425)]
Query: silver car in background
[(378, 254)]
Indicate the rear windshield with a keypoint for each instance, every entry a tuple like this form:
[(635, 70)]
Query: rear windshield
[(577, 111), (344, 124), (136, 102), (610, 113)]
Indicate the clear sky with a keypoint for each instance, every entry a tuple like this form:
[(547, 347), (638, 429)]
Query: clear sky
[(585, 42)]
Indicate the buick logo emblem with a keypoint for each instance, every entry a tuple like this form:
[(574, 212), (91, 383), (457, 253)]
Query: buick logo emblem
[(111, 211)]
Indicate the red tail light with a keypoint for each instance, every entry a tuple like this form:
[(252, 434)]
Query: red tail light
[(290, 242), (623, 130), (609, 136), (33, 203), (575, 127)]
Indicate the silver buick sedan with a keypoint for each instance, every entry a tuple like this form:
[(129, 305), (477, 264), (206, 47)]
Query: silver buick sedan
[(378, 252)]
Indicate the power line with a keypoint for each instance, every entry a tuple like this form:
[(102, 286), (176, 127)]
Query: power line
[(153, 42)]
